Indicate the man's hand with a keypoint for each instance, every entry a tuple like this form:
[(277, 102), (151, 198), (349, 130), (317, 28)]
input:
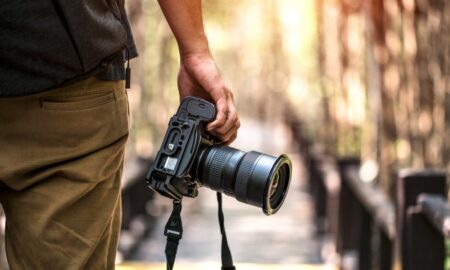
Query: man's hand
[(199, 76)]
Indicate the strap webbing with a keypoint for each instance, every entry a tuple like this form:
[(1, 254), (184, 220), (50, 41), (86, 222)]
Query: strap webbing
[(227, 260), (174, 232)]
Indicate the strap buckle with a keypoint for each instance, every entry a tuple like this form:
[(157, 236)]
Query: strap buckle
[(174, 232), (174, 227)]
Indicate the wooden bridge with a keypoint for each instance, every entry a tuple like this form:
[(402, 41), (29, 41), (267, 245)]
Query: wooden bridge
[(332, 219), (347, 222)]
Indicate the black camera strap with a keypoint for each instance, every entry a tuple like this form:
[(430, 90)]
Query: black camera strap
[(227, 260), (174, 232)]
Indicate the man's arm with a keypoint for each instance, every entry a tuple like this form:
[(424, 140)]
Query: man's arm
[(198, 75)]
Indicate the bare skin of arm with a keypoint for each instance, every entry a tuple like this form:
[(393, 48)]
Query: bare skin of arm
[(198, 75)]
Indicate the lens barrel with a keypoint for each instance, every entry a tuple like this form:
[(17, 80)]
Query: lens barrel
[(251, 177)]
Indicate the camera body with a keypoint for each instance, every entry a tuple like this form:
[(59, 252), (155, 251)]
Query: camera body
[(188, 159), (173, 174)]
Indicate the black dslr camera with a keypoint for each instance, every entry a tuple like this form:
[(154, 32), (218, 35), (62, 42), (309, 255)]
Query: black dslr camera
[(189, 158)]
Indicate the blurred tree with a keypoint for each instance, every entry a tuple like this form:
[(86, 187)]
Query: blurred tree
[(395, 54), (383, 68)]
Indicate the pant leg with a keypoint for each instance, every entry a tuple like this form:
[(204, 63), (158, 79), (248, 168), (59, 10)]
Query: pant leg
[(61, 157)]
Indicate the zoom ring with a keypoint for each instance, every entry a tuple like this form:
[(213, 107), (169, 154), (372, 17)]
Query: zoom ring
[(243, 176), (216, 168)]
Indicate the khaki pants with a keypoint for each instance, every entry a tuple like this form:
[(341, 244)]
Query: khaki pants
[(61, 157)]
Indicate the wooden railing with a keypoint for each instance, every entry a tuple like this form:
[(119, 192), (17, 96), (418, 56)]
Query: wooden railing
[(372, 231), (423, 219)]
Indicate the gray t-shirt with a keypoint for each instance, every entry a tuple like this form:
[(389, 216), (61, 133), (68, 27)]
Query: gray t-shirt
[(49, 44), (116, 69)]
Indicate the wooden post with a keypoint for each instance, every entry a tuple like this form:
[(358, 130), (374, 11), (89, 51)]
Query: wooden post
[(347, 203), (365, 239), (409, 185), (426, 245), (319, 194), (385, 262), (353, 221)]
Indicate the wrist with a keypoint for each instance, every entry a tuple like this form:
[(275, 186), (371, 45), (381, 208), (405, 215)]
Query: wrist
[(196, 58), (197, 49)]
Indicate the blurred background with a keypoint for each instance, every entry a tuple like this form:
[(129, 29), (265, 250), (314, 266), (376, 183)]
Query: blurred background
[(348, 78), (366, 78)]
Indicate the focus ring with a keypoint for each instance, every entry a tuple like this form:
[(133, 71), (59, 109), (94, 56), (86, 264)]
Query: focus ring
[(244, 174), (216, 168)]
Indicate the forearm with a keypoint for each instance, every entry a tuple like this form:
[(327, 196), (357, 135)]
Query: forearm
[(198, 75), (185, 20)]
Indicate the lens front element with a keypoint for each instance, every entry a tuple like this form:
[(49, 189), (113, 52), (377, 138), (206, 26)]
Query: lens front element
[(278, 185)]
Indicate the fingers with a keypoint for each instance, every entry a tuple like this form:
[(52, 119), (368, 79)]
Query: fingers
[(227, 122), (200, 77), (221, 114)]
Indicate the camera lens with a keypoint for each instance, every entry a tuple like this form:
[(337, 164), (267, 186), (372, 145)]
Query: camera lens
[(251, 177), (280, 180)]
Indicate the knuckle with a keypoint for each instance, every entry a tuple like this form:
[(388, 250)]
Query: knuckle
[(220, 119), (221, 132), (232, 115), (228, 138), (237, 123), (232, 138)]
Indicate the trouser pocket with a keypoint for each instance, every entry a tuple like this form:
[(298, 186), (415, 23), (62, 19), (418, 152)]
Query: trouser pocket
[(77, 102), (59, 125)]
